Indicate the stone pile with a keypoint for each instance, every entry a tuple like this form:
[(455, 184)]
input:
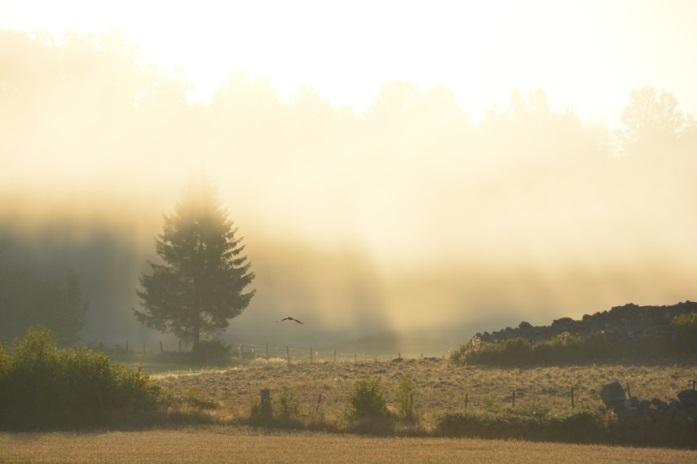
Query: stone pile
[(683, 408)]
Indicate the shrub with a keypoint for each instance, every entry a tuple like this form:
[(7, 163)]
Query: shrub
[(367, 409), (43, 384), (405, 400), (686, 327), (211, 352), (583, 426), (286, 406)]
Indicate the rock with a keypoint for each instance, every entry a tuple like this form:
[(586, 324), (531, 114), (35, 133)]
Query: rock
[(688, 398), (613, 395)]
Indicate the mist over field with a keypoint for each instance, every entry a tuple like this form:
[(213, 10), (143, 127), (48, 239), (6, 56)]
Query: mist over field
[(413, 217)]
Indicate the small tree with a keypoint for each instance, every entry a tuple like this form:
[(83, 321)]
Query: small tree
[(201, 284)]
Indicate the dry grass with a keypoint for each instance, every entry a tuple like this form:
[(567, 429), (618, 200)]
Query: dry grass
[(245, 446), (441, 386)]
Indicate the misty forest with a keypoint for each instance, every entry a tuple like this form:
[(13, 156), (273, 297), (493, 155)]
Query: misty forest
[(176, 267)]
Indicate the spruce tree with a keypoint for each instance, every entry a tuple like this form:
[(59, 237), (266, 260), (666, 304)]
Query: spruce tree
[(202, 282)]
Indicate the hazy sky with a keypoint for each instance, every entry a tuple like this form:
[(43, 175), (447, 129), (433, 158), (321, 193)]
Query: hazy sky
[(587, 55), (407, 211)]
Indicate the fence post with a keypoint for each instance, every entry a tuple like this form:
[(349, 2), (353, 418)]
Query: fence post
[(467, 400), (319, 402), (265, 404), (288, 354), (693, 384), (240, 350), (311, 357), (629, 394), (513, 398), (573, 404)]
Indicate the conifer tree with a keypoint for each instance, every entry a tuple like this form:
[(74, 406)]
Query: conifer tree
[(202, 282)]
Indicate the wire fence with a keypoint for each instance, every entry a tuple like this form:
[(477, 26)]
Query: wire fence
[(268, 351)]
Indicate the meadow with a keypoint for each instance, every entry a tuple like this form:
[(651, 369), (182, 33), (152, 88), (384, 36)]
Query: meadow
[(235, 444), (322, 389)]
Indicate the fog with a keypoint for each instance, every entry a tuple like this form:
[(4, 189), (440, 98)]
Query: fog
[(412, 217)]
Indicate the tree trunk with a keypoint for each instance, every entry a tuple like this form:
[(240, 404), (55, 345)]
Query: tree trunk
[(197, 335)]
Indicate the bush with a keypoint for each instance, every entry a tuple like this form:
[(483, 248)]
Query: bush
[(686, 327), (286, 406), (405, 400), (367, 409), (564, 348), (529, 425), (44, 385), (580, 427), (211, 352)]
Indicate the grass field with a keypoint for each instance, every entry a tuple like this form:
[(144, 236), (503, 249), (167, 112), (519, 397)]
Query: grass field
[(239, 445), (323, 388)]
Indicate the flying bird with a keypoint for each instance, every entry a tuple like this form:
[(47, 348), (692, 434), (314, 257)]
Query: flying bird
[(291, 319)]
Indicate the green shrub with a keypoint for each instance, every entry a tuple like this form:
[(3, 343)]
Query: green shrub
[(583, 426), (44, 385), (564, 348), (580, 427), (405, 400), (367, 409), (286, 406), (686, 326)]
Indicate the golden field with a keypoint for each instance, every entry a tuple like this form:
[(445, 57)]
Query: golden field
[(240, 445)]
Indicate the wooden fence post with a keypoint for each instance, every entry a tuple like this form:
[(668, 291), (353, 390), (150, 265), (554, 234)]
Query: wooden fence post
[(693, 384), (265, 404), (629, 393), (319, 402)]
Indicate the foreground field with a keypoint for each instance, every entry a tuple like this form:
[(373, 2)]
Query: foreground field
[(323, 388), (246, 446)]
